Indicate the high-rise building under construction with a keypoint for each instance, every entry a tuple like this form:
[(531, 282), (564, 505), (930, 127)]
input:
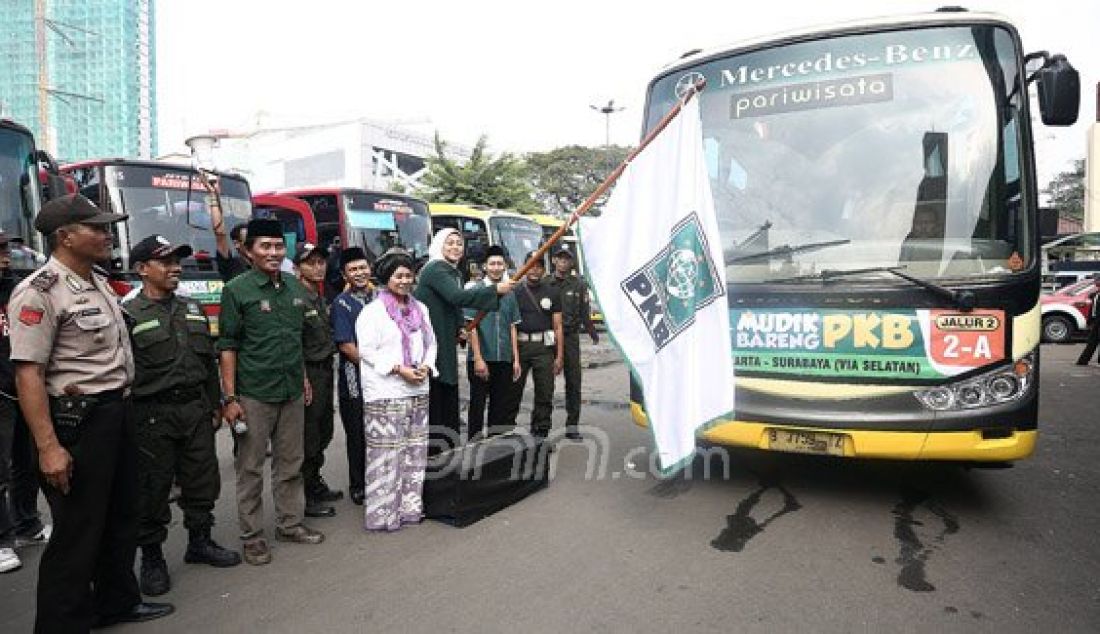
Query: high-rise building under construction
[(81, 74)]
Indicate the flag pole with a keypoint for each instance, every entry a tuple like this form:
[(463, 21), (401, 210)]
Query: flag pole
[(540, 253)]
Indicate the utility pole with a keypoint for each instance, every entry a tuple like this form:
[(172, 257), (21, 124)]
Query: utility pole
[(43, 75), (607, 111)]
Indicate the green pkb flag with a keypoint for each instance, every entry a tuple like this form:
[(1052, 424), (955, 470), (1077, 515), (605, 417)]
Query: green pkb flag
[(655, 263)]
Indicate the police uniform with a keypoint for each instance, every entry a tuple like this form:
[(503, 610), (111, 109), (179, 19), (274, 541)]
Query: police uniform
[(175, 394), (318, 350), (576, 314), (73, 326), (536, 345)]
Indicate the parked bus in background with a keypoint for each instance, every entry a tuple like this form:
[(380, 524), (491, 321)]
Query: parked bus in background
[(483, 226), (372, 220), (167, 199), (875, 190), (28, 177)]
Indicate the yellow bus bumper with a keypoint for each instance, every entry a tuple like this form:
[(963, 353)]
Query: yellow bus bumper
[(894, 445)]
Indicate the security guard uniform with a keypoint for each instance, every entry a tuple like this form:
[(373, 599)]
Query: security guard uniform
[(74, 327), (318, 350), (576, 314), (176, 393), (536, 346)]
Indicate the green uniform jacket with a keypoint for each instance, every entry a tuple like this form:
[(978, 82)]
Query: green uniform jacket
[(317, 339), (173, 348), (265, 324), (439, 286), (576, 312)]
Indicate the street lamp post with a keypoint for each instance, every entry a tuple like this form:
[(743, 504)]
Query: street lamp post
[(607, 111)]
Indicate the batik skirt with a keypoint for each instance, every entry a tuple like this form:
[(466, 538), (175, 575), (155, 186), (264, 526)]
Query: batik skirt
[(397, 455)]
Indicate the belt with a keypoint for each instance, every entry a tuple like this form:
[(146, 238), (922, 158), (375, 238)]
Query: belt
[(110, 396), (174, 396), (531, 336)]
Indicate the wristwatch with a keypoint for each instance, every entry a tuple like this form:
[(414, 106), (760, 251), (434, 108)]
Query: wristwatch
[(230, 398)]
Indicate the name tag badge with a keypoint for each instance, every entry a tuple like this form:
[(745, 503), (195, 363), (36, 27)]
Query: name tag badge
[(298, 301), (265, 306)]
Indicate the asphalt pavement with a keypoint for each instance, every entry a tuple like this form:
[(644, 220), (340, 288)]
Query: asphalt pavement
[(745, 541)]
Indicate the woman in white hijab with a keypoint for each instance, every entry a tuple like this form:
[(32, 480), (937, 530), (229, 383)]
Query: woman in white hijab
[(439, 287)]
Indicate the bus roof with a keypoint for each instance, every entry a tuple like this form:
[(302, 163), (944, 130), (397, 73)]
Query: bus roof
[(332, 191), (852, 26), (12, 125), (547, 220), (481, 212), (99, 162)]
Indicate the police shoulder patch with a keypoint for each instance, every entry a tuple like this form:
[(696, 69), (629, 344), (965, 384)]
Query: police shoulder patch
[(44, 280)]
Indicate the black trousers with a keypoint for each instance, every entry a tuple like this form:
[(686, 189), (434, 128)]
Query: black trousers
[(318, 424), (351, 415), (18, 482), (497, 390), (176, 443), (87, 568), (1091, 344), (444, 423), (571, 363)]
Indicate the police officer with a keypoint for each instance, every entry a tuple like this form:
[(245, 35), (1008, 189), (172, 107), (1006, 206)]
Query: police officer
[(73, 368), (576, 313), (318, 348), (540, 345), (175, 408), (345, 310)]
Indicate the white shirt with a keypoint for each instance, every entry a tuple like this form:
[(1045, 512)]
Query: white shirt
[(380, 350)]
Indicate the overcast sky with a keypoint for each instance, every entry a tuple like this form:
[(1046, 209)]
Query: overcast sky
[(524, 73)]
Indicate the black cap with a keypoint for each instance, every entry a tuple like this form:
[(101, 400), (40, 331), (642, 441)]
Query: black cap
[(307, 249), (350, 255), (264, 228), (495, 249), (72, 208), (562, 250), (532, 254), (156, 247)]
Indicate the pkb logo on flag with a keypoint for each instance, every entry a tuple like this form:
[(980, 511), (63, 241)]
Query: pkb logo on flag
[(678, 282)]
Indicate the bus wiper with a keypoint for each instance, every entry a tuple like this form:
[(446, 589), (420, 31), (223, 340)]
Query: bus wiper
[(787, 250), (963, 300)]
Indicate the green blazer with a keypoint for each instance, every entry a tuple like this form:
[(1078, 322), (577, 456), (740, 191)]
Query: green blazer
[(439, 286)]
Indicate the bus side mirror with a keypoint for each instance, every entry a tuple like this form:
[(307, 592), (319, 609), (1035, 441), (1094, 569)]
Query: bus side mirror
[(1059, 92)]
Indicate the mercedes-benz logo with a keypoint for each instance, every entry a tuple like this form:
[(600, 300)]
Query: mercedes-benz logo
[(684, 84)]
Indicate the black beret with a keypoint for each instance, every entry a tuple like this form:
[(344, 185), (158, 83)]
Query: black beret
[(495, 249)]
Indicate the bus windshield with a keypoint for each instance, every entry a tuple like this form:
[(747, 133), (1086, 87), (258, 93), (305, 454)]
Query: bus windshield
[(19, 194), (892, 149), (159, 202), (518, 237), (377, 222)]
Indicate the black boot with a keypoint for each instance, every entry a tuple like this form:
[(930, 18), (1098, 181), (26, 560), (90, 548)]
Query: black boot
[(201, 549), (320, 491), (154, 572)]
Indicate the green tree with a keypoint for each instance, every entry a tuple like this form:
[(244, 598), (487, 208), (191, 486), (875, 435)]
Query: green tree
[(499, 182), (564, 177), (1067, 191)]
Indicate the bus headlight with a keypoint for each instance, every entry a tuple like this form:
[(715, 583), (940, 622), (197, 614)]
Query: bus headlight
[(993, 388)]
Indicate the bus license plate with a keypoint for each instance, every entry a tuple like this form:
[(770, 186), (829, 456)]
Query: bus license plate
[(815, 442)]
